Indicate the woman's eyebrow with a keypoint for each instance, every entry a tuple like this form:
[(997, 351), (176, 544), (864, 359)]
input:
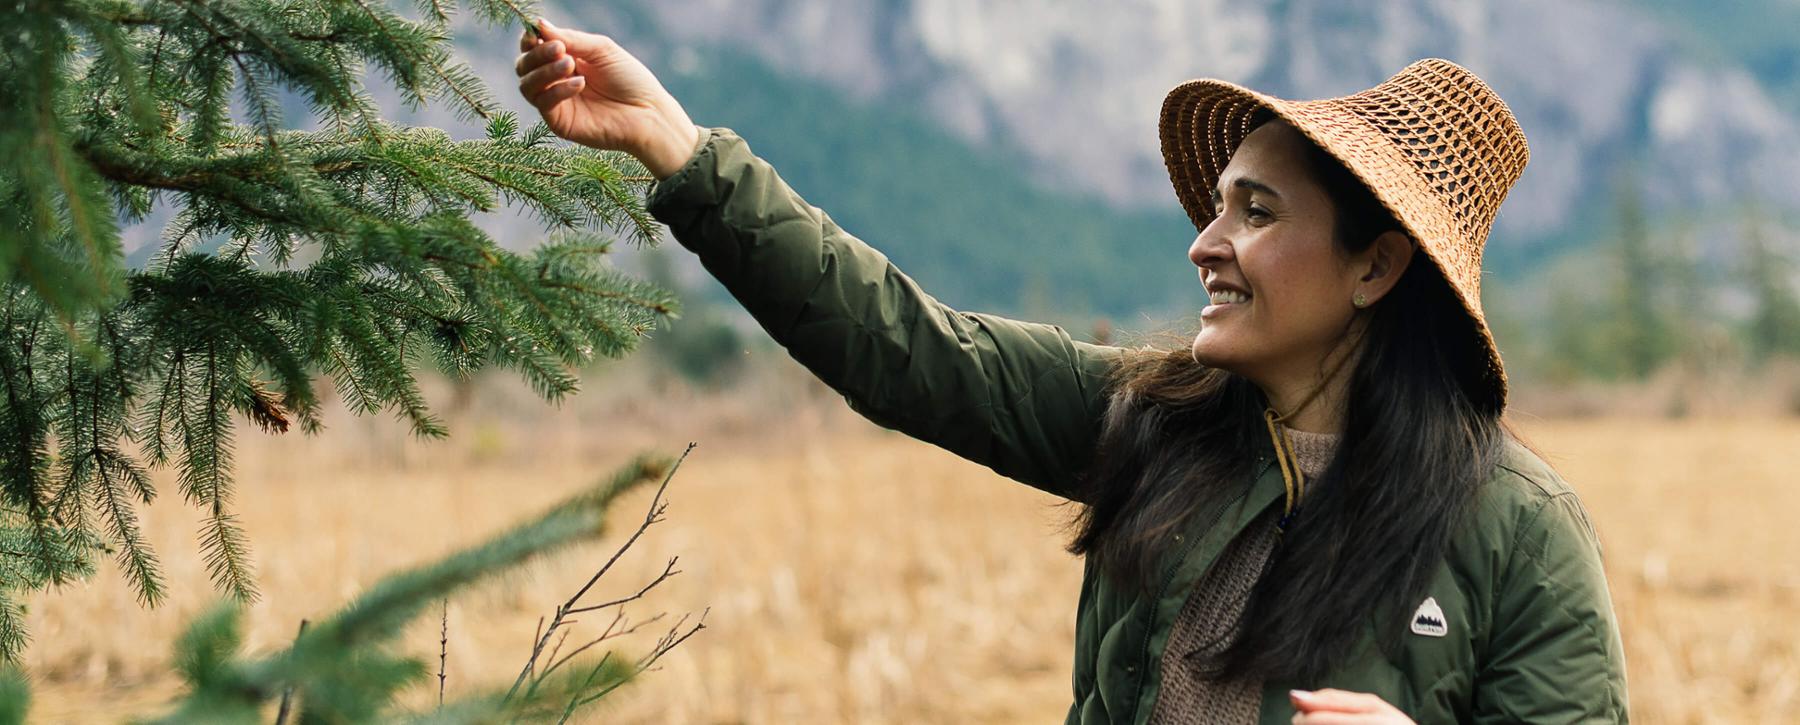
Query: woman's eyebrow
[(1249, 185), (1254, 185)]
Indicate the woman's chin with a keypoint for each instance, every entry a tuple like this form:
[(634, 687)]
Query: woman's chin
[(1207, 352), (1215, 348)]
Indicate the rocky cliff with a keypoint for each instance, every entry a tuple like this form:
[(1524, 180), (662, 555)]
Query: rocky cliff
[(1600, 87)]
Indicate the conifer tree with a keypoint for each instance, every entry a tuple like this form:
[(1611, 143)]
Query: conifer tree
[(1774, 327), (342, 249), (1641, 332)]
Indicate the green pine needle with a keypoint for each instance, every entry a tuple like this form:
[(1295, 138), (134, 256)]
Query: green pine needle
[(346, 251)]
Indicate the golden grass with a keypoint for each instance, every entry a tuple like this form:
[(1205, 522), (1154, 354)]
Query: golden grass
[(856, 575)]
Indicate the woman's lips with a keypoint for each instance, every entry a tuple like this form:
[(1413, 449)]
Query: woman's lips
[(1223, 301), (1219, 308)]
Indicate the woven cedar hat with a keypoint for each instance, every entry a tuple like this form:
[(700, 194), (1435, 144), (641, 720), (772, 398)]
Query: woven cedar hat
[(1434, 143)]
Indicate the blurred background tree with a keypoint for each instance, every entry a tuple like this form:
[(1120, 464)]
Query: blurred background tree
[(340, 246), (1774, 327), (1643, 336)]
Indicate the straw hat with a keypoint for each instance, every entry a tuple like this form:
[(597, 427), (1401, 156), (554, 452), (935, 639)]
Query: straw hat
[(1435, 144)]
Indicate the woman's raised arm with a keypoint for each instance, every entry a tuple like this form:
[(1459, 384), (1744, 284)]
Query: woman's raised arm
[(1024, 399)]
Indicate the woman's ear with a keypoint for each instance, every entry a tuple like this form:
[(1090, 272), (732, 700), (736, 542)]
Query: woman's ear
[(1384, 262)]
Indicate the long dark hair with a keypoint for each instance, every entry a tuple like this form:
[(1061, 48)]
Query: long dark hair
[(1421, 433)]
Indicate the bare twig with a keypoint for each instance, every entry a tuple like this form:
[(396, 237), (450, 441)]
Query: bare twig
[(608, 634), (674, 638), (287, 693), (668, 642), (561, 616), (443, 646), (668, 571), (657, 507), (558, 648), (540, 630)]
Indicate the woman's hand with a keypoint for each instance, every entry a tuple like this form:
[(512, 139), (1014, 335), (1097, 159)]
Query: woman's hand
[(592, 92), (1337, 707)]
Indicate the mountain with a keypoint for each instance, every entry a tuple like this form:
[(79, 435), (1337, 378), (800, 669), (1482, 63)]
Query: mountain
[(1605, 90), (1005, 153)]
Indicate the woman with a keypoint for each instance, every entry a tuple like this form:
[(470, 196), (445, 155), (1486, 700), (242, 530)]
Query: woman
[(1318, 494)]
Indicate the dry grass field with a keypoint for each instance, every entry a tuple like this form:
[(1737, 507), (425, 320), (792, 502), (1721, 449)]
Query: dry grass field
[(854, 575)]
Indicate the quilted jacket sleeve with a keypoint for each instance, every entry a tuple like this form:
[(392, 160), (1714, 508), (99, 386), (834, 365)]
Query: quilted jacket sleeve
[(1024, 399), (1554, 654)]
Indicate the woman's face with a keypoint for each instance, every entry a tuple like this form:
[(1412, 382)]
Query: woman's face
[(1280, 287)]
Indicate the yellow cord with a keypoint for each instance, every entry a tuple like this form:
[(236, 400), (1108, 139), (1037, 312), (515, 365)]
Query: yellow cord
[(1292, 479)]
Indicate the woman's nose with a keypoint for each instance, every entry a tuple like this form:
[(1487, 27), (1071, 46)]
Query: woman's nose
[(1209, 248)]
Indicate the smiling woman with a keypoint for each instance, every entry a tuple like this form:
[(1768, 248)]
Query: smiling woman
[(1331, 315), (1318, 494), (1279, 267)]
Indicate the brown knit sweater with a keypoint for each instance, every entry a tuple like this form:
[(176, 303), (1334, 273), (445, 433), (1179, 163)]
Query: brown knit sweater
[(1209, 621)]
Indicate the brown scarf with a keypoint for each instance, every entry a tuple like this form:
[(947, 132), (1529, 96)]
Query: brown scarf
[(1209, 620)]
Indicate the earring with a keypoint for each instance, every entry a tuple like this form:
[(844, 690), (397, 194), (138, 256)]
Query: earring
[(1360, 301)]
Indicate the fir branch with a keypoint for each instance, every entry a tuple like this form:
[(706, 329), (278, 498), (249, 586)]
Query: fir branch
[(15, 692), (69, 288), (227, 555), (206, 478), (339, 669), (469, 96), (13, 636), (135, 556), (120, 61), (210, 114), (499, 10), (126, 106), (261, 100)]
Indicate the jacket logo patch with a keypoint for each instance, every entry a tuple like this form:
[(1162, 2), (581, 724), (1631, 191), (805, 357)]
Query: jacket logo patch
[(1429, 620)]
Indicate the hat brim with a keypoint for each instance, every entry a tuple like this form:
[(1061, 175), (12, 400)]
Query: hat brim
[(1203, 122)]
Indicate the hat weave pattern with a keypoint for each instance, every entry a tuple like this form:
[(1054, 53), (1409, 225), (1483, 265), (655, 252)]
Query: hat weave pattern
[(1434, 143)]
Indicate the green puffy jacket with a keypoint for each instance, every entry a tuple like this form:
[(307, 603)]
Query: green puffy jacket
[(1526, 631)]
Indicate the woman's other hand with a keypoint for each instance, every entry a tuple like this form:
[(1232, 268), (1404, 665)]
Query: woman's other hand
[(592, 92), (1337, 707)]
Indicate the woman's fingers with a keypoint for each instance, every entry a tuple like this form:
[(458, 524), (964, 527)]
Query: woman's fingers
[(543, 53), (559, 92), (586, 46), (536, 81), (1337, 718), (1337, 701), (1338, 707), (591, 91)]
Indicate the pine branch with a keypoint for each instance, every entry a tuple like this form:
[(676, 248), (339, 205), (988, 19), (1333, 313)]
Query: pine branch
[(346, 251), (378, 614), (455, 81), (135, 556), (15, 693), (13, 637), (339, 669)]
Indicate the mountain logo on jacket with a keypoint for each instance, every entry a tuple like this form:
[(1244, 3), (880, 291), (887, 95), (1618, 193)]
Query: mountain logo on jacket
[(1429, 620)]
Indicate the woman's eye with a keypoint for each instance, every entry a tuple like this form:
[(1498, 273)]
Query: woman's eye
[(1257, 213)]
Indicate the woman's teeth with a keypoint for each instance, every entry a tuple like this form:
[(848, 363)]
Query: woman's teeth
[(1229, 297)]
